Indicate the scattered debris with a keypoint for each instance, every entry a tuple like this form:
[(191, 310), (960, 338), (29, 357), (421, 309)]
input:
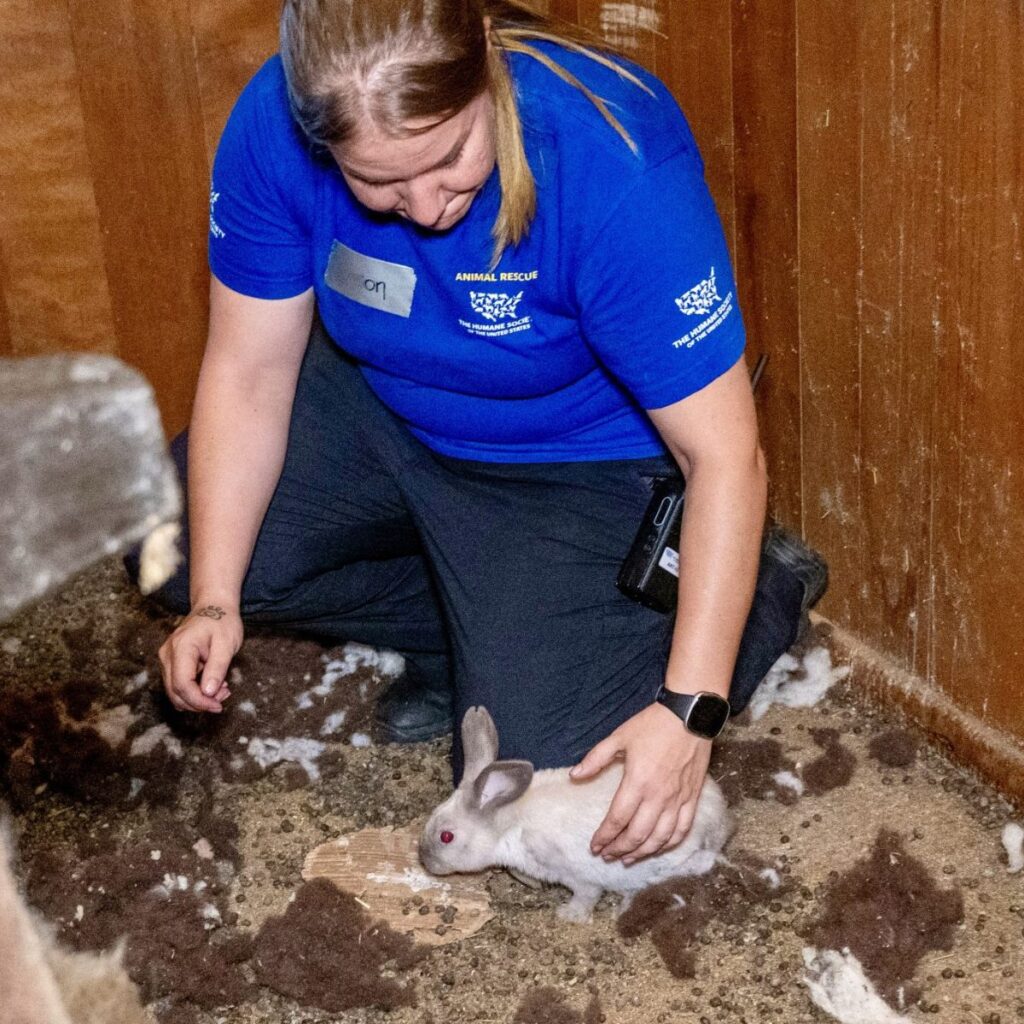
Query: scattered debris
[(837, 985), (1013, 844), (888, 911), (324, 951), (797, 684)]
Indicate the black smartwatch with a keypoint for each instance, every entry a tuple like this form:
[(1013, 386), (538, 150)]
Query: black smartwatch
[(703, 713)]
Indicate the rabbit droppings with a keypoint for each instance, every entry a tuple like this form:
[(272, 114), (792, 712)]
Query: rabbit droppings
[(504, 814)]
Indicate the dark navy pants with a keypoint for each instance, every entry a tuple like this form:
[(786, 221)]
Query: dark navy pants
[(498, 576)]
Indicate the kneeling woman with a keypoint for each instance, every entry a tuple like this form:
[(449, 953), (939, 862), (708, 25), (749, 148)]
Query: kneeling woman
[(470, 297)]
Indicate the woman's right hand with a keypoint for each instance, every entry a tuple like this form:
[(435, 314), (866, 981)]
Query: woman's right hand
[(195, 658)]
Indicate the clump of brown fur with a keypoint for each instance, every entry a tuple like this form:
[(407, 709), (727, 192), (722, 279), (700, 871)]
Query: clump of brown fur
[(548, 1005), (744, 768), (895, 748), (324, 951), (169, 952), (833, 768), (675, 912), (889, 912), (44, 984)]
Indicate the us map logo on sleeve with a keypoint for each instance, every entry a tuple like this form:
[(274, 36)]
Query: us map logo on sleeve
[(495, 305), (700, 300)]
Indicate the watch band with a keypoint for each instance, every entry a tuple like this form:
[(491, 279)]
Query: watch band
[(704, 713)]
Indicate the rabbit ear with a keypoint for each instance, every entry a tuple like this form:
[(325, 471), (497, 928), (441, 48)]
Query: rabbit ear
[(479, 741), (500, 783)]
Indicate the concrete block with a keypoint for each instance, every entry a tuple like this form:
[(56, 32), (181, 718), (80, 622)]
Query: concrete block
[(84, 469)]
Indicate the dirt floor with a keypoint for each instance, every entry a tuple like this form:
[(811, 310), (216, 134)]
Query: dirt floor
[(189, 838)]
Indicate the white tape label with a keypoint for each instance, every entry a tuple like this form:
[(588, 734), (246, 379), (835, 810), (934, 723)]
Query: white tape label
[(669, 561)]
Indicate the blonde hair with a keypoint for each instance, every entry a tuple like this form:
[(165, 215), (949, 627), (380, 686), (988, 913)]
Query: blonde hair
[(396, 61)]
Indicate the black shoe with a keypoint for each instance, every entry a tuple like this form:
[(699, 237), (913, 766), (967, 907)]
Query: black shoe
[(806, 564), (412, 710)]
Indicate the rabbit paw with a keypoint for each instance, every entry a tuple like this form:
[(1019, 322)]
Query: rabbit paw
[(580, 907)]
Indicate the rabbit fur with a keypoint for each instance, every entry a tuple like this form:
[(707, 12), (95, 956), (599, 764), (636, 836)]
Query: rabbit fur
[(539, 823)]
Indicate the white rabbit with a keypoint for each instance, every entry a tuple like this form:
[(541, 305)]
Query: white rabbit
[(504, 814)]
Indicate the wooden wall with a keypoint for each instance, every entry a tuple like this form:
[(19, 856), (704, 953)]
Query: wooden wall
[(867, 157)]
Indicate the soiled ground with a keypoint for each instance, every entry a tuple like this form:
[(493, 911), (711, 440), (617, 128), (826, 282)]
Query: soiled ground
[(902, 863)]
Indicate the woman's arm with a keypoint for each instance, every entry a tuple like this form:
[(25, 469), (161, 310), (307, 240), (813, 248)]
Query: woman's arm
[(237, 442), (713, 436)]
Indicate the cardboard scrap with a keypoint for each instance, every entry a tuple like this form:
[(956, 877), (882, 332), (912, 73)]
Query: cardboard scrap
[(381, 868)]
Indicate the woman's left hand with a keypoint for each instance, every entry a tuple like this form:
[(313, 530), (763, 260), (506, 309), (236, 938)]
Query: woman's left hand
[(654, 805)]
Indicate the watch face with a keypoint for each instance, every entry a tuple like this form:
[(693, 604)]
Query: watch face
[(708, 715)]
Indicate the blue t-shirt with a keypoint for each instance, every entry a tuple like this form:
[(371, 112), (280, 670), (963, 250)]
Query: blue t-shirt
[(621, 297)]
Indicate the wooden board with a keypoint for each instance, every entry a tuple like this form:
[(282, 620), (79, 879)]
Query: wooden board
[(380, 867)]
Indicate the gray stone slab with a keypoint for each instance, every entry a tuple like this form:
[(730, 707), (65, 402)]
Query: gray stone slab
[(84, 469)]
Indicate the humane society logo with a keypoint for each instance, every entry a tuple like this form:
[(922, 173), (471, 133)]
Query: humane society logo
[(495, 305), (502, 312), (700, 300)]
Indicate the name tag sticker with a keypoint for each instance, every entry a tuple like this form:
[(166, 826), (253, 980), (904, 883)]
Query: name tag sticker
[(371, 282)]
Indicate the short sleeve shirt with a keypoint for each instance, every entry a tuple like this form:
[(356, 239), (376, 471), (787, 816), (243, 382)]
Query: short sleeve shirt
[(621, 298)]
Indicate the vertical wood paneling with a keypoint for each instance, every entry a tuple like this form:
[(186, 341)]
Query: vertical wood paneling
[(898, 311), (135, 58), (828, 137), (766, 250), (979, 412), (694, 59), (867, 159), (233, 38), (567, 10), (54, 287), (629, 25)]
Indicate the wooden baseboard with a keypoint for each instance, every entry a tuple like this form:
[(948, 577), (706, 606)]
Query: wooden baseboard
[(965, 738)]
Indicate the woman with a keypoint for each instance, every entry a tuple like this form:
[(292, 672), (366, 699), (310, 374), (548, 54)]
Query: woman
[(522, 312)]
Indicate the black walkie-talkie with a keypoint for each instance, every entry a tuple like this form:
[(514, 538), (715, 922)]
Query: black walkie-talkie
[(650, 572)]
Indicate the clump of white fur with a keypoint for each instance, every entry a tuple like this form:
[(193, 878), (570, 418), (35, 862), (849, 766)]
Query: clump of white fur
[(43, 984), (838, 985), (1013, 844), (540, 824), (781, 685)]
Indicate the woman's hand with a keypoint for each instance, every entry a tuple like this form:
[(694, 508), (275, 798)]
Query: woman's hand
[(654, 805), (194, 659)]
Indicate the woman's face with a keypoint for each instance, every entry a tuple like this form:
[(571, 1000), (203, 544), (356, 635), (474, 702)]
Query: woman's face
[(430, 178)]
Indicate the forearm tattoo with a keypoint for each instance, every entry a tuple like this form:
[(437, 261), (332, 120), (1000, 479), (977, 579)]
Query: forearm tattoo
[(211, 611)]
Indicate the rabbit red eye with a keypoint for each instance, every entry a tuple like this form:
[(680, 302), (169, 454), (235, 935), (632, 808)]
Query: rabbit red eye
[(447, 837)]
